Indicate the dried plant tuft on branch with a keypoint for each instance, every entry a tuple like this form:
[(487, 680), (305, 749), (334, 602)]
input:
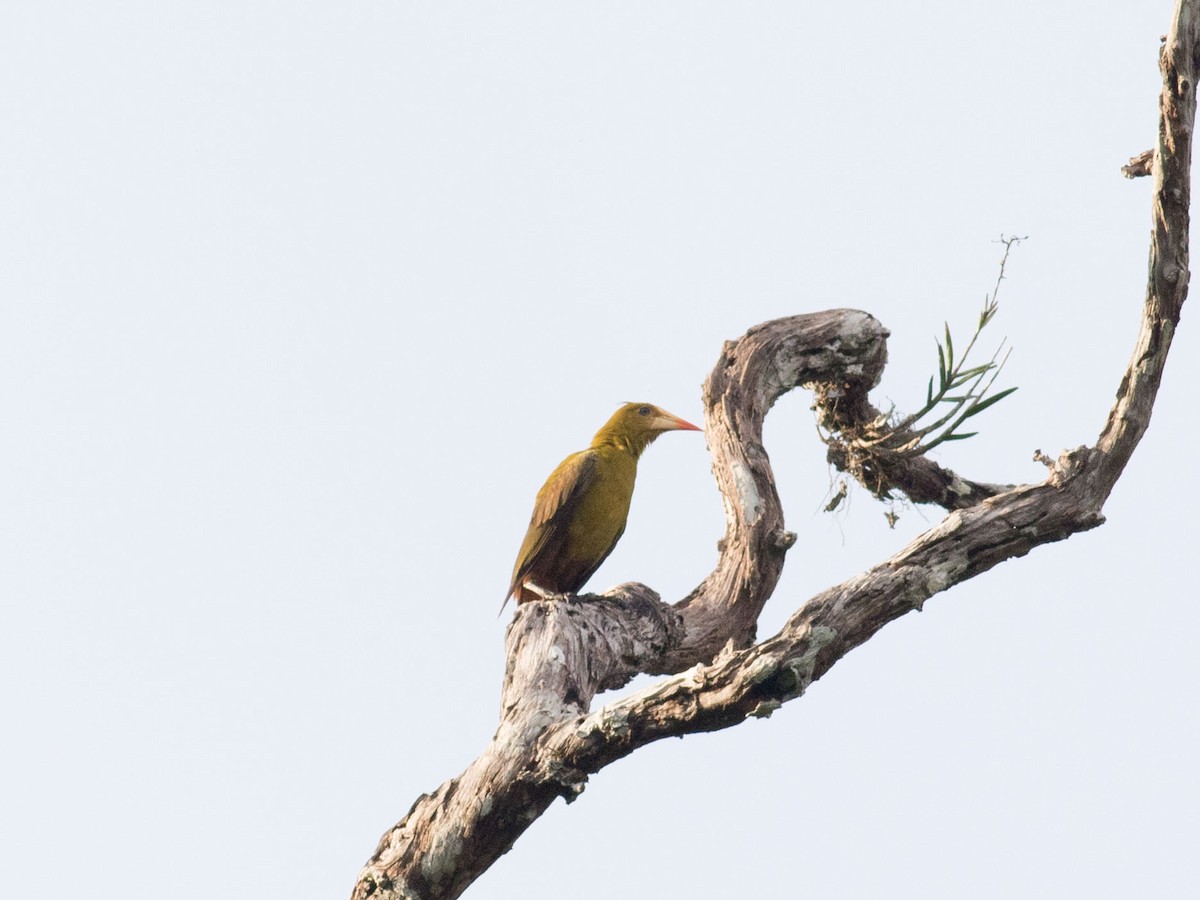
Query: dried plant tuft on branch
[(872, 449)]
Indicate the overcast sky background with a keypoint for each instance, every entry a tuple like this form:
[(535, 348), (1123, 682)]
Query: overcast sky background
[(300, 302)]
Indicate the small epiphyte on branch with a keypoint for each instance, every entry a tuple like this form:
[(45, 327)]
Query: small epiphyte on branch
[(963, 387)]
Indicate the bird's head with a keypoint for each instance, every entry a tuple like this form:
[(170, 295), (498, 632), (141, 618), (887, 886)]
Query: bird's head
[(635, 425)]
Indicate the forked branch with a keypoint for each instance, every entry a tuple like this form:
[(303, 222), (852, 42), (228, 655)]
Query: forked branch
[(561, 654)]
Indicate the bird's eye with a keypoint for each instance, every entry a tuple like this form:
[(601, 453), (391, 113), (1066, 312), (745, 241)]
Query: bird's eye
[(643, 410)]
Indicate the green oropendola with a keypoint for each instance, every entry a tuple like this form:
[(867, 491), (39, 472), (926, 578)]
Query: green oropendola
[(581, 510)]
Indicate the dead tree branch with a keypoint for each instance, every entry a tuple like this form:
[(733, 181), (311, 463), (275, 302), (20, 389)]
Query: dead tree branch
[(561, 654), (1139, 166)]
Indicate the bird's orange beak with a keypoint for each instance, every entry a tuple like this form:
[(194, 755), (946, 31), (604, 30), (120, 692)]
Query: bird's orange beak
[(668, 422)]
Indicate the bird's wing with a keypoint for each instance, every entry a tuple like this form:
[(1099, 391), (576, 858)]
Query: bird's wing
[(564, 488), (555, 502)]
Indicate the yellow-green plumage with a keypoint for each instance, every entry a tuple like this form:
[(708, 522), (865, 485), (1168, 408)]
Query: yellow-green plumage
[(581, 510)]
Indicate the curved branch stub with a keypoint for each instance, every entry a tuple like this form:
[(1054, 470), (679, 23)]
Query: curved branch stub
[(838, 351)]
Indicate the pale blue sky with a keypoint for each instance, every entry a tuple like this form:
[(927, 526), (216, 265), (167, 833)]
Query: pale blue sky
[(300, 302)]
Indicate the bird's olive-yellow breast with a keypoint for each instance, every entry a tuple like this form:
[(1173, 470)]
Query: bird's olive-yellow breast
[(581, 510)]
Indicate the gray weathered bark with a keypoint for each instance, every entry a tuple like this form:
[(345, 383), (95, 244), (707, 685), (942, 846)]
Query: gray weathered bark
[(561, 654)]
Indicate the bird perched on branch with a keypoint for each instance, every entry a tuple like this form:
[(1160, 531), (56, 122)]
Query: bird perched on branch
[(581, 510)]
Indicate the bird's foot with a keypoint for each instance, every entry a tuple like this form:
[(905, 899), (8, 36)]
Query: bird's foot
[(553, 596)]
